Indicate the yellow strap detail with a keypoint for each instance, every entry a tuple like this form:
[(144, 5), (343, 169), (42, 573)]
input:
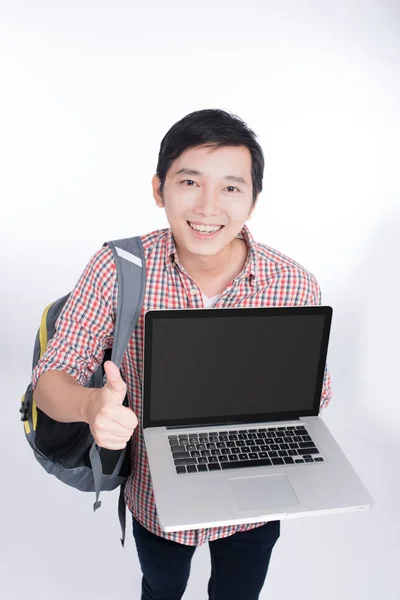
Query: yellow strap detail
[(43, 330), (34, 415)]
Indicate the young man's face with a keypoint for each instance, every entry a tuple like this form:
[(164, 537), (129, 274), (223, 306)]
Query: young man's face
[(220, 194)]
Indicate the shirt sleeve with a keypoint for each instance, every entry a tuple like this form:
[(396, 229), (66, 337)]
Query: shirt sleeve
[(85, 326), (326, 395)]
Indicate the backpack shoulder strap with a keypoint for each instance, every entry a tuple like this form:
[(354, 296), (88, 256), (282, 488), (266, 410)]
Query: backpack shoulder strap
[(131, 278)]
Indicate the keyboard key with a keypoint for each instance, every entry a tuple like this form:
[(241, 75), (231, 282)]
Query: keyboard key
[(202, 460), (205, 452), (220, 444), (215, 452), (191, 469), (298, 460), (223, 458), (210, 445), (240, 443), (214, 467), (261, 433), (212, 459), (288, 460), (190, 447), (304, 451), (236, 450), (177, 449), (185, 461), (232, 437), (223, 437), (277, 461), (282, 453), (245, 449), (309, 459), (172, 437), (233, 432), (242, 456), (203, 439), (201, 468), (200, 447), (293, 445), (262, 462), (290, 427), (307, 438), (264, 448), (251, 443), (181, 455), (278, 440), (232, 457), (271, 434), (180, 469), (174, 443), (253, 455), (274, 447), (251, 436), (263, 455), (292, 452), (252, 430), (195, 454), (225, 450), (306, 444), (230, 444), (318, 459), (281, 428), (242, 436), (285, 446), (213, 438)]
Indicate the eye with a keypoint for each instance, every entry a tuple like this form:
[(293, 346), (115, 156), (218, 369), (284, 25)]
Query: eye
[(184, 180), (234, 187)]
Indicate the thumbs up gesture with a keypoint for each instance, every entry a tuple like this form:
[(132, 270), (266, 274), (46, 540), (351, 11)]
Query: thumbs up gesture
[(111, 423)]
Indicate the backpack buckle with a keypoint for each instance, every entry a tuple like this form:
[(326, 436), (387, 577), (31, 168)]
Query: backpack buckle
[(24, 412)]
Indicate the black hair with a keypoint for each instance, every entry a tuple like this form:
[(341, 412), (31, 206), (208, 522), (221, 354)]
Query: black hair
[(210, 127)]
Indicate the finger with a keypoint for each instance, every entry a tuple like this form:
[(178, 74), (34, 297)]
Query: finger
[(115, 382)]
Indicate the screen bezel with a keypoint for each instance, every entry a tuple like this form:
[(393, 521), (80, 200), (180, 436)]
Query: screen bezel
[(240, 313)]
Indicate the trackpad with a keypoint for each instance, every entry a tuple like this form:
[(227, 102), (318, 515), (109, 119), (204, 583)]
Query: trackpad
[(263, 492)]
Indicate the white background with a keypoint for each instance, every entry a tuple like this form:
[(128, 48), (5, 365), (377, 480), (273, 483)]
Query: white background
[(88, 90)]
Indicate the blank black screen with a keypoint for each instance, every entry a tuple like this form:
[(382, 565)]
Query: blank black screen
[(210, 367)]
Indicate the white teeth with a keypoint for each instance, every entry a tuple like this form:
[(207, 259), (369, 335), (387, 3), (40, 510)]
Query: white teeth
[(204, 228)]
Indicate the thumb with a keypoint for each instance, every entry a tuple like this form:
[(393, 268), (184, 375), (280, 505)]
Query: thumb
[(114, 380)]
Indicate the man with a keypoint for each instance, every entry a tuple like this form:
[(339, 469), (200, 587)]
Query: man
[(209, 175)]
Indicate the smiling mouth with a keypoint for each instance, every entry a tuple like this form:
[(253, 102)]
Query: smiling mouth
[(205, 231)]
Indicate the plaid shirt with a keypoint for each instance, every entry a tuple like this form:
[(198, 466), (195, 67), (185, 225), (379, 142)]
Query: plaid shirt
[(85, 329)]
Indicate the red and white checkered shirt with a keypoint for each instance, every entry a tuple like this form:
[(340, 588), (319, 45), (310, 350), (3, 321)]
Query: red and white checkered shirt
[(85, 329)]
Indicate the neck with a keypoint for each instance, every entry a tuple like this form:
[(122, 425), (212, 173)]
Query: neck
[(200, 267)]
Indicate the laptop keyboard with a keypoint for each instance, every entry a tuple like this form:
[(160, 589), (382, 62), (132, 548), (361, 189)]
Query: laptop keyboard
[(266, 447)]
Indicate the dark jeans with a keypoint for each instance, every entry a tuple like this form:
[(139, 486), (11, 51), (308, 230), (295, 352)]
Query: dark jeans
[(239, 564)]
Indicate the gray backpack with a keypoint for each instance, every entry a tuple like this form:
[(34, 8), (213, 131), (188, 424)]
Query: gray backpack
[(68, 450)]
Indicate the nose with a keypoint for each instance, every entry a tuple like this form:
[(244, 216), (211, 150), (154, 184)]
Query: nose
[(208, 203)]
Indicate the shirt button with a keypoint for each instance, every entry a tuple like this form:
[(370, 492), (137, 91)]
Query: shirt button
[(194, 291)]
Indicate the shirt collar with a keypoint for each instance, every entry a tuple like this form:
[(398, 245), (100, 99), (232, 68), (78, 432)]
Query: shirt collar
[(250, 269)]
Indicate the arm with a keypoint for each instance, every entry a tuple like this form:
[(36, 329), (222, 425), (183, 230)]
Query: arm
[(84, 330), (326, 395)]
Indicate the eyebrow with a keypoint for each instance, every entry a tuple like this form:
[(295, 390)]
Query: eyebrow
[(199, 174)]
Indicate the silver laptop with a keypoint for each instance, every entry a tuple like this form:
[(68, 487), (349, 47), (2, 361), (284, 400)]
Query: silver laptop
[(231, 399)]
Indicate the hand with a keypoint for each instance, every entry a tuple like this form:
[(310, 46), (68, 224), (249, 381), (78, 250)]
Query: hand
[(111, 423)]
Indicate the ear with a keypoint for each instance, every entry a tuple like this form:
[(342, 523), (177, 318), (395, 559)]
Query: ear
[(252, 210), (155, 182)]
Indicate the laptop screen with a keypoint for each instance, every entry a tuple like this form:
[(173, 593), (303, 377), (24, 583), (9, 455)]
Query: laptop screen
[(226, 366)]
